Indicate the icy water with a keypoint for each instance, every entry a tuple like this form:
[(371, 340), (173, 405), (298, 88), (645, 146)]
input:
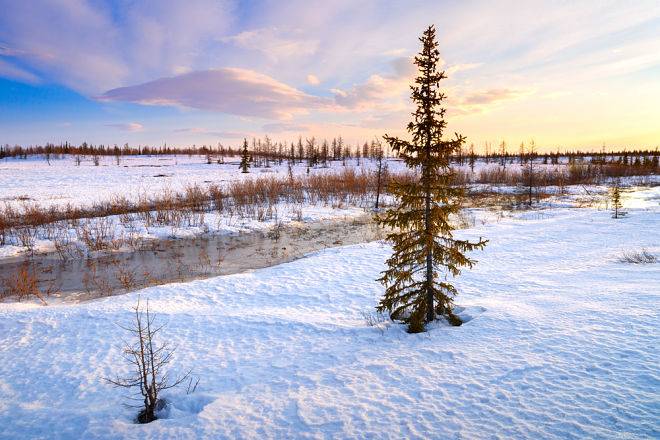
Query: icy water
[(185, 259)]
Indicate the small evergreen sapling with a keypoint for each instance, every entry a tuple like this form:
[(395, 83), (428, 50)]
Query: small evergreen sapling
[(615, 196), (245, 158), (421, 235)]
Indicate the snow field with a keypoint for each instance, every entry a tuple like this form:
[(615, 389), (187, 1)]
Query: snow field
[(560, 342)]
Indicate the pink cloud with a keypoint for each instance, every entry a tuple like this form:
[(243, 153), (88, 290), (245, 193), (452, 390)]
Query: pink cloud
[(483, 100), (379, 90), (228, 90), (204, 131), (281, 127), (130, 126)]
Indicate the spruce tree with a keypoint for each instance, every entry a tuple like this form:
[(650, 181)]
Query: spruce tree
[(421, 236), (245, 158)]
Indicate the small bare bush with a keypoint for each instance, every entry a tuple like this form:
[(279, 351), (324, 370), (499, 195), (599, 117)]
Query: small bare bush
[(127, 278), (24, 283), (375, 319), (93, 282), (149, 361), (638, 257), (97, 234)]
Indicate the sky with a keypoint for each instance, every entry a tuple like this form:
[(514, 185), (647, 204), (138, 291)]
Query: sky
[(566, 74)]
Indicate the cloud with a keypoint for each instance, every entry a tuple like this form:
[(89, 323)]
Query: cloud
[(274, 43), (379, 90), (490, 96), (454, 69), (313, 80), (8, 70), (394, 52), (205, 131), (129, 126), (483, 100), (228, 90), (91, 46), (280, 127)]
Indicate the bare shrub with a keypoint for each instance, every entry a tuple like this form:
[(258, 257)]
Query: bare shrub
[(24, 283), (465, 219), (148, 360), (204, 261), (638, 257), (62, 243), (127, 278), (297, 214), (375, 319), (4, 228), (97, 234), (26, 236), (93, 282), (218, 197)]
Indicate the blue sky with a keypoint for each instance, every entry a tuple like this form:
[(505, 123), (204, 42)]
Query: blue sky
[(569, 74)]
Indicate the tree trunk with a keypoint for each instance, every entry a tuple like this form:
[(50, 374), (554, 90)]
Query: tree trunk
[(430, 311)]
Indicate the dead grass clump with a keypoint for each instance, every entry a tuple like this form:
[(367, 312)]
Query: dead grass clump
[(218, 197), (126, 278), (638, 257), (24, 283)]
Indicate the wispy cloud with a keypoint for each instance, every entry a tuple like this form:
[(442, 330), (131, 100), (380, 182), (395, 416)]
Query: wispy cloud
[(283, 127), (379, 90), (274, 43), (11, 71), (85, 46), (227, 90), (461, 67), (483, 100), (204, 132), (128, 126)]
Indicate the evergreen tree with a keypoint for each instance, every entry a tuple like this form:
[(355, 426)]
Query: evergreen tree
[(245, 158), (615, 195), (422, 238)]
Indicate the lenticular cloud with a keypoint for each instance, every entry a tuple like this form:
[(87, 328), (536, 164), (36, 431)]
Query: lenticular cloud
[(228, 90)]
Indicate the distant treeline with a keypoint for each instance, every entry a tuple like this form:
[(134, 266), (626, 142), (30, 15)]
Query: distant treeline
[(316, 152)]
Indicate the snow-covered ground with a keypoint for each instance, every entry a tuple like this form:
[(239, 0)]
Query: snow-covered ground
[(24, 182), (62, 182), (561, 341)]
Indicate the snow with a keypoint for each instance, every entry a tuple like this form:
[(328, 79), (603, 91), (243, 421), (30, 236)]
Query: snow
[(561, 342), (33, 180), (62, 182)]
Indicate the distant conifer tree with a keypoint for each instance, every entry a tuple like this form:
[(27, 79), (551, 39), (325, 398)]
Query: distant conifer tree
[(422, 238), (245, 158), (615, 195)]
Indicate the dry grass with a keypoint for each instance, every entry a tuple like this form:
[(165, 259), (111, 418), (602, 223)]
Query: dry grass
[(95, 226), (24, 284), (638, 257)]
